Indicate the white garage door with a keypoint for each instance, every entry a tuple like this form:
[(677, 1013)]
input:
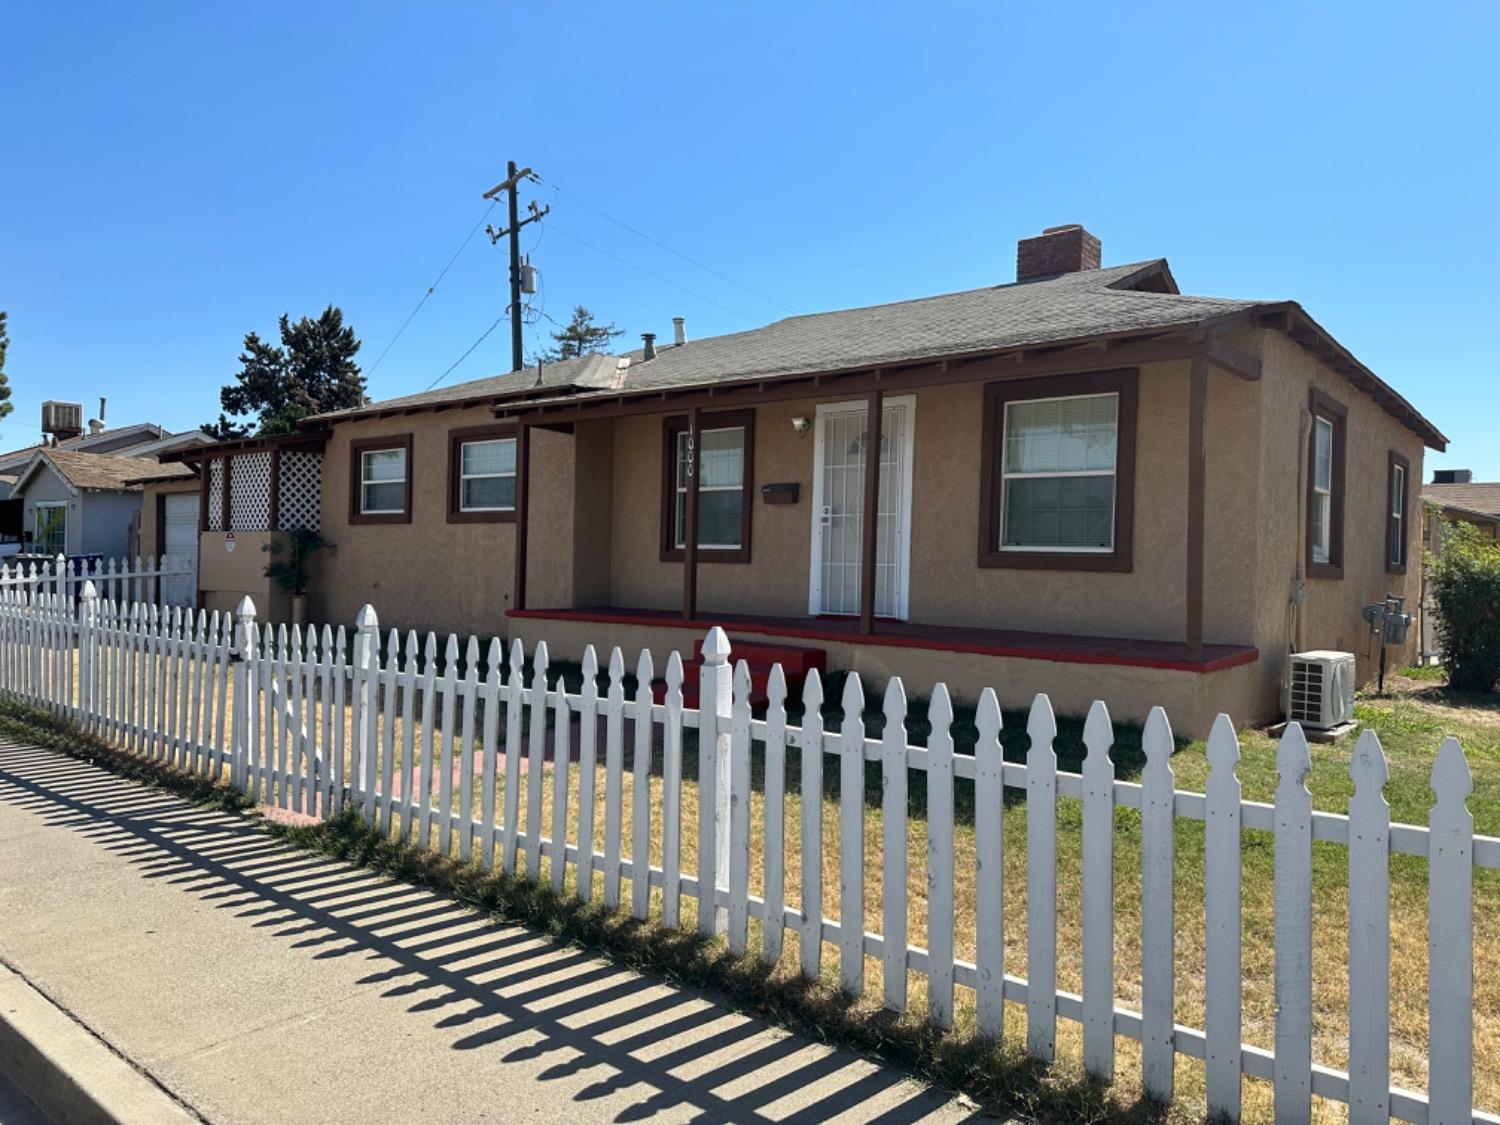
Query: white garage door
[(182, 547)]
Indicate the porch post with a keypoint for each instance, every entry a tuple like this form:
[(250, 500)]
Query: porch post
[(1196, 468), (871, 513), (523, 480), (690, 523)]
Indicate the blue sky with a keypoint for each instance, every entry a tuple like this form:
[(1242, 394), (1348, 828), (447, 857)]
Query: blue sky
[(175, 175)]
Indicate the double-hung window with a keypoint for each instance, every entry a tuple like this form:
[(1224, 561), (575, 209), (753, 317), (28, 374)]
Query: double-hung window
[(1058, 481), (380, 480), (1058, 485), (723, 462), (487, 475), (1395, 518), (1325, 487)]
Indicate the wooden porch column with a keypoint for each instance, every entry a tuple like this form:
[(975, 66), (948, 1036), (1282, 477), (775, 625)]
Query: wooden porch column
[(690, 523), (523, 480), (1196, 470), (870, 526)]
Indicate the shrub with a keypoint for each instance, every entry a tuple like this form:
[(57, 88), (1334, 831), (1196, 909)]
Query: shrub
[(1465, 587)]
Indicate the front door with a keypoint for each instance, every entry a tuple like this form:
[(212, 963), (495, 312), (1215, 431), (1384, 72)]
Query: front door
[(838, 507)]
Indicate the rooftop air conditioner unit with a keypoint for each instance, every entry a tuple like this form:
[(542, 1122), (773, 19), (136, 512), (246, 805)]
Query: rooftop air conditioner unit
[(64, 419), (1320, 690)]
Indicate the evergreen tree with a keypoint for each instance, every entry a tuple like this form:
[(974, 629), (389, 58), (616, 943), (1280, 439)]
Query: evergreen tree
[(311, 371), (581, 336), (5, 404)]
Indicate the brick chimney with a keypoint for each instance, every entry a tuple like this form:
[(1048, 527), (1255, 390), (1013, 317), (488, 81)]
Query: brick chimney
[(1065, 249)]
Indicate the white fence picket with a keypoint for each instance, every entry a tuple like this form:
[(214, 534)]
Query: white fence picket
[(166, 683), (1099, 896), (852, 839), (1450, 913), (1158, 920), (989, 868), (1293, 905), (1041, 882), (940, 886), (1223, 970), (893, 891), (1369, 935)]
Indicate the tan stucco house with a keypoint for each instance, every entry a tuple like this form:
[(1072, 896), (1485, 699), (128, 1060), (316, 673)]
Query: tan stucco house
[(1087, 483)]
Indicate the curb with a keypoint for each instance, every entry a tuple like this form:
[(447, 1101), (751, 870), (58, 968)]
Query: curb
[(70, 1073)]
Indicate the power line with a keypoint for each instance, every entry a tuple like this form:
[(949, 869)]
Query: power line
[(410, 316), (671, 250), (470, 350), (654, 276)]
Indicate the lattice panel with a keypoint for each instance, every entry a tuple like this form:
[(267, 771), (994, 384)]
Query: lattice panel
[(216, 495), (250, 492), (299, 500)]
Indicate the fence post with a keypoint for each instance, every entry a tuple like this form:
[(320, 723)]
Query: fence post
[(88, 608), (366, 653), (60, 577), (242, 671), (715, 719)]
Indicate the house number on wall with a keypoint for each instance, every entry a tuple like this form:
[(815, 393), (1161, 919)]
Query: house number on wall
[(692, 460)]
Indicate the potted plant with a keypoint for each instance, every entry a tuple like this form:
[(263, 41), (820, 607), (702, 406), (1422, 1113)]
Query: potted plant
[(288, 565)]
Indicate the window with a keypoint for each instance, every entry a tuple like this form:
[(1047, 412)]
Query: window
[(1395, 520), (482, 474), (725, 456), (1058, 479), (380, 480), (1059, 463), (51, 529), (1325, 487)]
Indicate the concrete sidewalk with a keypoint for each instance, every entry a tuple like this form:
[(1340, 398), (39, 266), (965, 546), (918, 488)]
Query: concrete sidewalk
[(256, 983)]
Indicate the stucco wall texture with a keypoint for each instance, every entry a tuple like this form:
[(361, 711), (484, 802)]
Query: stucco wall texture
[(594, 538)]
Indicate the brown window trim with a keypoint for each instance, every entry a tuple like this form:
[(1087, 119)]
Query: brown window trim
[(1394, 459), (1321, 405), (456, 439), (370, 445), (718, 420), (1121, 381)]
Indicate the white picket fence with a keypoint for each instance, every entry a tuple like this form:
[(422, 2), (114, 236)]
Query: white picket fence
[(267, 709), (169, 579)]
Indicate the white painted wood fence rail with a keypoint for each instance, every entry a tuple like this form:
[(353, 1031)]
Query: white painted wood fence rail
[(315, 722), (117, 580)]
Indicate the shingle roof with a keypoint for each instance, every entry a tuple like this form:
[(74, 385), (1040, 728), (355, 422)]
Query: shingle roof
[(1139, 298), (593, 372), (1481, 499), (102, 470), (978, 320)]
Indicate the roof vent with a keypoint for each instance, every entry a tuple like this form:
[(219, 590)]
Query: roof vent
[(679, 331), (1057, 250), (1453, 476), (648, 340)]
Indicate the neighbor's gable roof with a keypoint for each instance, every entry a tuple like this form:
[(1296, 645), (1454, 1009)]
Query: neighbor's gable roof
[(1475, 499), (1119, 301), (96, 471)]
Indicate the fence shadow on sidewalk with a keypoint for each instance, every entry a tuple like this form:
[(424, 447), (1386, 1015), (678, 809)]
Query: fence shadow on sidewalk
[(481, 984)]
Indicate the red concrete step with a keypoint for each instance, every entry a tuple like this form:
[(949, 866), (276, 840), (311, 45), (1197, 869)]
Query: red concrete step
[(759, 657)]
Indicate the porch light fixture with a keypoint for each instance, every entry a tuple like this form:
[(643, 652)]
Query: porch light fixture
[(801, 424)]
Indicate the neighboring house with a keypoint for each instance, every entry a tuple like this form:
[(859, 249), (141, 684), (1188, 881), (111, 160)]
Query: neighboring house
[(1458, 497), (145, 439), (84, 503), (1453, 497), (1088, 483)]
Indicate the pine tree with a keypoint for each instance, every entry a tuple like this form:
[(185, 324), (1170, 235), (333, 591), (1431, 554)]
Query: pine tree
[(581, 336), (311, 371), (5, 404)]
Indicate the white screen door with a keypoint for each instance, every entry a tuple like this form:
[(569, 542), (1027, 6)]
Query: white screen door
[(838, 508)]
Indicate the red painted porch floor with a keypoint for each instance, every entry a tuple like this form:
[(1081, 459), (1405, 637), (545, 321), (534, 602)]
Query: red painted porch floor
[(1060, 647)]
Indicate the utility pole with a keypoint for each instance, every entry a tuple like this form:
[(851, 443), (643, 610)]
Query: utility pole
[(511, 182)]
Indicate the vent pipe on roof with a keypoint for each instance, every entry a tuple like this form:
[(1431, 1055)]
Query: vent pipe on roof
[(679, 331), (648, 341)]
